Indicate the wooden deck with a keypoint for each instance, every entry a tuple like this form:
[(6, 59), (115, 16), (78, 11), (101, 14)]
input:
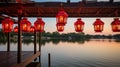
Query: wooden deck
[(9, 59)]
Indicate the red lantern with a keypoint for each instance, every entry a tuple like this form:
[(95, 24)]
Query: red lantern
[(62, 17), (98, 25), (25, 24), (16, 29), (60, 27), (7, 25), (116, 25), (39, 25), (32, 29), (79, 25)]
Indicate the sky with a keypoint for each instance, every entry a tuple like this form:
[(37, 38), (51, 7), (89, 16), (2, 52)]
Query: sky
[(50, 25)]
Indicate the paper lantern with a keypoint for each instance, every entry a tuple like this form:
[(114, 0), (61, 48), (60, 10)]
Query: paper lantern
[(60, 27), (39, 25), (79, 25), (98, 25), (25, 24), (116, 25), (61, 17), (7, 25), (16, 29)]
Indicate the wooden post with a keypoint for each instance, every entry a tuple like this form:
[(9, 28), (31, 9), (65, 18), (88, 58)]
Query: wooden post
[(35, 46), (19, 51), (8, 43), (40, 35), (49, 60), (39, 59)]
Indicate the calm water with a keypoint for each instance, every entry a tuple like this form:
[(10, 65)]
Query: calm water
[(93, 53)]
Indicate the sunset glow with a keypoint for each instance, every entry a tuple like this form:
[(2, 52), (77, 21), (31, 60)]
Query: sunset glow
[(50, 25)]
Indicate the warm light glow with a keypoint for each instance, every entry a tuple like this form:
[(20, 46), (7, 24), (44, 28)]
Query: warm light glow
[(98, 25), (25, 24), (24, 27), (60, 27), (116, 25), (7, 25), (61, 17), (16, 29), (32, 29), (39, 25), (79, 24)]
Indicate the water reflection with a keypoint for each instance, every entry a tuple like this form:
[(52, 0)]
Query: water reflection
[(75, 53), (43, 42), (57, 41), (93, 53)]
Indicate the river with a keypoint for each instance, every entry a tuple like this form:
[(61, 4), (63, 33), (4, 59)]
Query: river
[(92, 53)]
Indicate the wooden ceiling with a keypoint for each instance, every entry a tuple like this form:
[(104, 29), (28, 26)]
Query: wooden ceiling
[(50, 9)]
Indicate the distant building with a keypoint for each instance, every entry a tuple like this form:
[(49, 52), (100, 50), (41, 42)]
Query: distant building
[(88, 1), (3, 1), (24, 1), (15, 1)]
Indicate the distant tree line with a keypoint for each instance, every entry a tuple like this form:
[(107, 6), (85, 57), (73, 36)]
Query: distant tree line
[(57, 35)]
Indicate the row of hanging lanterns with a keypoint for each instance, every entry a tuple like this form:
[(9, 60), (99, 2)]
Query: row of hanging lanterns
[(7, 25), (98, 25), (61, 18)]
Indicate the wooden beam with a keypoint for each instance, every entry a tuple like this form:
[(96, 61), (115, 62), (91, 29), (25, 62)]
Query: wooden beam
[(50, 9), (98, 11), (28, 60), (116, 12), (79, 10)]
